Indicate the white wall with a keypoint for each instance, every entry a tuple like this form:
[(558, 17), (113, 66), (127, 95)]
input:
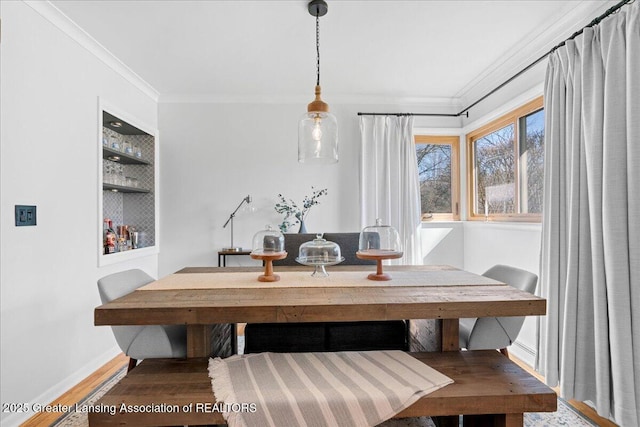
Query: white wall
[(477, 246), (50, 86), (443, 243), (515, 244), (213, 155)]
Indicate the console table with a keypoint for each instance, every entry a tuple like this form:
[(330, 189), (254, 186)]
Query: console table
[(222, 256)]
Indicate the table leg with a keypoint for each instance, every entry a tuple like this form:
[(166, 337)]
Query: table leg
[(450, 339), (450, 330), (198, 341), (211, 340)]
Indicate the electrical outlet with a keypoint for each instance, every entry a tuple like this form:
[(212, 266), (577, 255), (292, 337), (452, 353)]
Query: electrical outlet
[(25, 215)]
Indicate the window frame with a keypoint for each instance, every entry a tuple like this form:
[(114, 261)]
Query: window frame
[(511, 118), (454, 142)]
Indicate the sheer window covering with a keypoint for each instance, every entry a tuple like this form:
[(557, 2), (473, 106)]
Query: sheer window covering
[(389, 182)]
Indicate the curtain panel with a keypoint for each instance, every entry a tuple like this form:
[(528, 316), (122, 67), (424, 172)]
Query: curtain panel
[(389, 182), (589, 341)]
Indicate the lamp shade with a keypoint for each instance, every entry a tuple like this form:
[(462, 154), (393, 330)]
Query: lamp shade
[(318, 138)]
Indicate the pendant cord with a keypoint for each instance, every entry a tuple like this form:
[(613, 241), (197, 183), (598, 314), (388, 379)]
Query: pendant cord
[(317, 48)]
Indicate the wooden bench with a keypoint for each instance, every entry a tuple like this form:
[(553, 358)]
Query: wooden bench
[(488, 386)]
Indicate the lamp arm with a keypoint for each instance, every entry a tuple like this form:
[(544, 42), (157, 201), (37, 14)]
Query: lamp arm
[(245, 200)]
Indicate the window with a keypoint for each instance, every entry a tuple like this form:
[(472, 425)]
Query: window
[(438, 160), (506, 166)]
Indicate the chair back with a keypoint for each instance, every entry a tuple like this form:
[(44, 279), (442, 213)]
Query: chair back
[(119, 284), (348, 243), (292, 242), (115, 286), (512, 276), (501, 332)]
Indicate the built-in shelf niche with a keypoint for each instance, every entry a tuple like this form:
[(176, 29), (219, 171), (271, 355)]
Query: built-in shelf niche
[(128, 183)]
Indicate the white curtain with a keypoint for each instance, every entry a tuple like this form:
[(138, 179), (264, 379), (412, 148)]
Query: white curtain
[(389, 183), (590, 268)]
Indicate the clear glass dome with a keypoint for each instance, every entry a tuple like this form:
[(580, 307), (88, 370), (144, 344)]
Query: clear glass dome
[(319, 253), (379, 239), (268, 241), (318, 138)]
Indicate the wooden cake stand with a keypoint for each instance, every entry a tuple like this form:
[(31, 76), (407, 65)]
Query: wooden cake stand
[(378, 255), (268, 258)]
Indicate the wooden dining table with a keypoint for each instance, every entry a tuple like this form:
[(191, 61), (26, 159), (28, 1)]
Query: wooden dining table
[(488, 388), (200, 297)]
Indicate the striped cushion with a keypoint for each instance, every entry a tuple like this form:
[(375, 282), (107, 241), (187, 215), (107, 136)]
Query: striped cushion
[(334, 389)]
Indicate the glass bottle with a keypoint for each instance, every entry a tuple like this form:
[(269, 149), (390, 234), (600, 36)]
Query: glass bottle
[(109, 237)]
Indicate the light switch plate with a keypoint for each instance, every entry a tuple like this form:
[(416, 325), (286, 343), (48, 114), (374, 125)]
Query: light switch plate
[(25, 215)]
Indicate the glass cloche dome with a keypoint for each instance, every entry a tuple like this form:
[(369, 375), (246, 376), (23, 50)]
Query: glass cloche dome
[(319, 253), (379, 239), (268, 241), (379, 242), (268, 246)]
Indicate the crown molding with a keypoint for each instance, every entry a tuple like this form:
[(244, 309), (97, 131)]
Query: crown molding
[(54, 15), (213, 98), (450, 104), (575, 16)]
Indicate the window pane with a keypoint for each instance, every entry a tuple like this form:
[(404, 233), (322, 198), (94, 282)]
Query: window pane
[(531, 162), (434, 169), (495, 172)]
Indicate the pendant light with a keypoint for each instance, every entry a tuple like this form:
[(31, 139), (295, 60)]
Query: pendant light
[(318, 128)]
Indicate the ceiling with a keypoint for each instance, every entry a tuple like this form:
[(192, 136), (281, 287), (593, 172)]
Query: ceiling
[(371, 51)]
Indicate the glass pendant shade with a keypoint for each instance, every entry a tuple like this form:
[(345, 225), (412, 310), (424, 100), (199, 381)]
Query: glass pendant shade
[(318, 128), (318, 138)]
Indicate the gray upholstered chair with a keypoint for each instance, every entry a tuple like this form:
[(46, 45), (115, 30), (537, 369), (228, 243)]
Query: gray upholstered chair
[(486, 333), (142, 342)]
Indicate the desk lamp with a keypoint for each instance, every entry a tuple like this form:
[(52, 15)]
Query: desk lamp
[(232, 248)]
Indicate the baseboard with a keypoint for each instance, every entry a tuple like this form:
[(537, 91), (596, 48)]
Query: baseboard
[(48, 396)]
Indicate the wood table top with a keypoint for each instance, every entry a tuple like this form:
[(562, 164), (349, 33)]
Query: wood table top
[(437, 298)]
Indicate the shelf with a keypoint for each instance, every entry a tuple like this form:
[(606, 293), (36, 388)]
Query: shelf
[(123, 189), (129, 185), (120, 157)]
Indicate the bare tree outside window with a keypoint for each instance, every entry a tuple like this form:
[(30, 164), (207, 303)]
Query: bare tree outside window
[(506, 166), (495, 172), (532, 162), (434, 169), (438, 169)]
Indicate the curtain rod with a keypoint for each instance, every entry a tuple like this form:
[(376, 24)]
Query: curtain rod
[(465, 111), (413, 114)]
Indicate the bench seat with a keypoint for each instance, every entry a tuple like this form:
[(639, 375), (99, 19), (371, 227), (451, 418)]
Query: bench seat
[(486, 382)]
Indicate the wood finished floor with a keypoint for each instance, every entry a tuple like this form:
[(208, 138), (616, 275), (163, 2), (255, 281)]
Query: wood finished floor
[(78, 392), (85, 387)]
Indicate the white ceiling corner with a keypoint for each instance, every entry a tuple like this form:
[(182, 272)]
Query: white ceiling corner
[(430, 54), (84, 38)]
